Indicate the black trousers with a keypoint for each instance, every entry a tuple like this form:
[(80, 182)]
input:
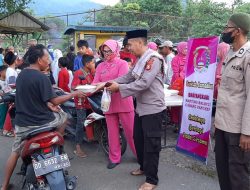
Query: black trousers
[(231, 162), (147, 139)]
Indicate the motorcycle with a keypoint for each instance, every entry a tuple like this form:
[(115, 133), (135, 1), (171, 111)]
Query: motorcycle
[(95, 125), (44, 160)]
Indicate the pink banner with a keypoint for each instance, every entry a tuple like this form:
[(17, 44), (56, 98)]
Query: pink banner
[(198, 97)]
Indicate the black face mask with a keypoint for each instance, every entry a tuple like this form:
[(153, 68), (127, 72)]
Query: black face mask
[(227, 38)]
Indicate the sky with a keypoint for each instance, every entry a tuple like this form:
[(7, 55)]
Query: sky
[(106, 2), (113, 2), (230, 1)]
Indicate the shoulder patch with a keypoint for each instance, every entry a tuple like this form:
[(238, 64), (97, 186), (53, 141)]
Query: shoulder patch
[(149, 64)]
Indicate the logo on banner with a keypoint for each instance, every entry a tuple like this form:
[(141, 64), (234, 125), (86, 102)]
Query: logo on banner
[(201, 59)]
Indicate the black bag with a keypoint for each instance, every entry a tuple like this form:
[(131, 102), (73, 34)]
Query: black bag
[(95, 102)]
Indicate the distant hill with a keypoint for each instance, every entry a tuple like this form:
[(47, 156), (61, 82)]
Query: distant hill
[(43, 8)]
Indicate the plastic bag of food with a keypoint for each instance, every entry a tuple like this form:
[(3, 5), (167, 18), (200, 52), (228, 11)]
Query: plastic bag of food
[(106, 99), (178, 84)]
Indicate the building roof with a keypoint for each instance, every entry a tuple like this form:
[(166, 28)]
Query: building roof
[(20, 22), (110, 29)]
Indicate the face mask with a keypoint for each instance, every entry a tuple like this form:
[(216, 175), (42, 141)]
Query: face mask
[(227, 38)]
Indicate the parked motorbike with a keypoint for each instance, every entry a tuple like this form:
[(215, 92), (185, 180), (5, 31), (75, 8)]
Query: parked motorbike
[(95, 125), (44, 160)]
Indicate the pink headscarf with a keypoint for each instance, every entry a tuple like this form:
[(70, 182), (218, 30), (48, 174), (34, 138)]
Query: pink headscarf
[(182, 49), (178, 62), (223, 49), (115, 48), (152, 46)]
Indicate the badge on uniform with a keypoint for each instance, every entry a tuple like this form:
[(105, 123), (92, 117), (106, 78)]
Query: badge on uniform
[(149, 64), (241, 51)]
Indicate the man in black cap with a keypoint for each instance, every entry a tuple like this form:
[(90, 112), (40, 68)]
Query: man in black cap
[(145, 81), (232, 135)]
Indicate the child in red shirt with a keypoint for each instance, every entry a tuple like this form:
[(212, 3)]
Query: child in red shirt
[(82, 76), (63, 76)]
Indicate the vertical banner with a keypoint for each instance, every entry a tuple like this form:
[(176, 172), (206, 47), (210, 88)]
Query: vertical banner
[(198, 97)]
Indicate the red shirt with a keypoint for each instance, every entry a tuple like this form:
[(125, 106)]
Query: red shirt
[(63, 80), (89, 77), (124, 54)]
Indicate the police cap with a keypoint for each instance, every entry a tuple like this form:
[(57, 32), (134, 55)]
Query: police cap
[(137, 34)]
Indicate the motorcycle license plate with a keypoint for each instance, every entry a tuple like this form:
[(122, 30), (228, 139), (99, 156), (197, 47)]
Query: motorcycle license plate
[(51, 164)]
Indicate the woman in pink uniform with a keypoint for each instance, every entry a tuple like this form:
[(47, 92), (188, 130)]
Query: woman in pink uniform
[(178, 66), (121, 109), (223, 49), (178, 62)]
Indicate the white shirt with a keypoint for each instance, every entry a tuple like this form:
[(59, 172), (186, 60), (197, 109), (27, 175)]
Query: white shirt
[(70, 78), (2, 84), (168, 69), (11, 75)]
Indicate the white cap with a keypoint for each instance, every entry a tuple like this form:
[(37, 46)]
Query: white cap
[(167, 44)]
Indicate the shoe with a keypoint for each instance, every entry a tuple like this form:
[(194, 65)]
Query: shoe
[(112, 165), (147, 186), (137, 172)]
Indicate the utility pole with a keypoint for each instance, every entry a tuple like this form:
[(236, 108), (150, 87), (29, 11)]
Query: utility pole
[(94, 17), (67, 19)]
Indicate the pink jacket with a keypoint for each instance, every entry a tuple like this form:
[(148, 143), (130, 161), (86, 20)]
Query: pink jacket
[(178, 62), (223, 49), (110, 70)]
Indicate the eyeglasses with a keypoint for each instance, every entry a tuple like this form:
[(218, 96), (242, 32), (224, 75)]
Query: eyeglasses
[(107, 51), (226, 27)]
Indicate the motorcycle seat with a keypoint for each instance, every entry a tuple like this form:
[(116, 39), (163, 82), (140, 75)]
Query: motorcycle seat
[(37, 131)]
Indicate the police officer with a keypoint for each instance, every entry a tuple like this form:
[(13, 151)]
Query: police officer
[(232, 119), (145, 82)]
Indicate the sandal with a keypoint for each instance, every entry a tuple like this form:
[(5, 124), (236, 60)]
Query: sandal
[(81, 155), (8, 133), (137, 172), (147, 186)]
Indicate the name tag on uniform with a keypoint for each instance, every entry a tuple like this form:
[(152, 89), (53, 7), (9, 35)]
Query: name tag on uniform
[(236, 67)]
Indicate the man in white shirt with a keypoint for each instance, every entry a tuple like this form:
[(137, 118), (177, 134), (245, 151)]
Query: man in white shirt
[(11, 59), (166, 50)]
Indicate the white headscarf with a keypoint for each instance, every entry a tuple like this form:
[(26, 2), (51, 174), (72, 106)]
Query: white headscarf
[(54, 65)]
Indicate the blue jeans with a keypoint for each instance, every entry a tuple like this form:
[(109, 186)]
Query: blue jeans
[(3, 112), (81, 116)]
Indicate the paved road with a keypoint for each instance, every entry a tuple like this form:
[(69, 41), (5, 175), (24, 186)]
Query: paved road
[(93, 175)]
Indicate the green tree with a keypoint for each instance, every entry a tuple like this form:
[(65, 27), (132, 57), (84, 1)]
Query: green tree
[(208, 18), (245, 8), (144, 13), (8, 6), (121, 15)]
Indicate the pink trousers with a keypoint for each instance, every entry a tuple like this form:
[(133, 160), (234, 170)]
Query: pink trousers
[(127, 121)]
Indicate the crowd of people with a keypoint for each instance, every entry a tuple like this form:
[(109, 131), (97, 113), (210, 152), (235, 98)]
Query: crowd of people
[(136, 75)]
